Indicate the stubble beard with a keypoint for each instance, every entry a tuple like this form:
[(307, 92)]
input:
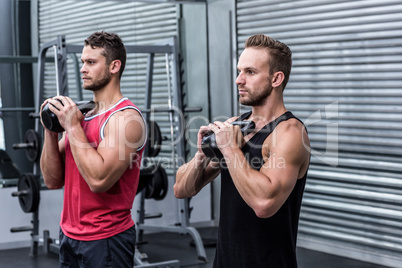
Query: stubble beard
[(257, 99), (100, 83)]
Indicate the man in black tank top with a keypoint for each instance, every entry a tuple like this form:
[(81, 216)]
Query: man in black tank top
[(262, 174)]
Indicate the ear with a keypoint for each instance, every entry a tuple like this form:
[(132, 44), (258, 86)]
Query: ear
[(277, 79), (115, 66)]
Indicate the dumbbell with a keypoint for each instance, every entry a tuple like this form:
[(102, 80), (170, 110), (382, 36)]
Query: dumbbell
[(50, 120), (208, 143)]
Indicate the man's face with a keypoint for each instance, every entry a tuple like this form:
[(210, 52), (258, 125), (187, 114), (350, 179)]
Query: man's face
[(95, 72), (253, 81)]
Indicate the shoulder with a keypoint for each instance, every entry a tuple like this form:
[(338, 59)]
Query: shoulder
[(291, 127), (125, 109), (128, 118), (129, 111), (289, 136)]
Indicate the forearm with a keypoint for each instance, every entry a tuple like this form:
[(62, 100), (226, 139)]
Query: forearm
[(193, 176), (51, 162)]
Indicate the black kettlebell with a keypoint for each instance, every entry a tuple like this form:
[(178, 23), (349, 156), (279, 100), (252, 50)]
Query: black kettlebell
[(50, 120), (208, 143)]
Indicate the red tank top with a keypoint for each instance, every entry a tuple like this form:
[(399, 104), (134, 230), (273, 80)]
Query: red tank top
[(90, 216)]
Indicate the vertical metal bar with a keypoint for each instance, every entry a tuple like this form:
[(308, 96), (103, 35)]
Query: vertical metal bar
[(171, 113), (177, 102), (35, 233), (36, 169), (148, 99), (40, 81), (56, 66), (148, 91), (62, 65), (179, 138), (35, 228), (233, 55), (180, 210), (148, 83), (77, 76)]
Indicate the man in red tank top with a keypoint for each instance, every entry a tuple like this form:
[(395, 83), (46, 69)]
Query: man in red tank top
[(97, 161)]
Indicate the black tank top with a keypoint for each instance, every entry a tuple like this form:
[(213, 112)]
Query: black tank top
[(244, 240)]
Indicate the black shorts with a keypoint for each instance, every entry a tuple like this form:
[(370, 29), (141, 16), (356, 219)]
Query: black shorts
[(115, 251)]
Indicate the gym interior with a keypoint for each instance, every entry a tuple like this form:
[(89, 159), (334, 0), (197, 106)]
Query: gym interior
[(345, 85)]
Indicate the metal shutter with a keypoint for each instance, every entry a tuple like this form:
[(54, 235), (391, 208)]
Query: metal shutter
[(346, 85), (137, 24)]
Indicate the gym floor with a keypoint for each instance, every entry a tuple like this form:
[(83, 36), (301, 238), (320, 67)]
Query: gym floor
[(170, 246)]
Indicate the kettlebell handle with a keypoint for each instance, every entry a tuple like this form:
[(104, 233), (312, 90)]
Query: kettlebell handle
[(50, 120)]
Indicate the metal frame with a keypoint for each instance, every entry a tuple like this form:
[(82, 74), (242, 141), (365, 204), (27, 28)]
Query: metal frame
[(60, 59), (171, 50), (61, 82)]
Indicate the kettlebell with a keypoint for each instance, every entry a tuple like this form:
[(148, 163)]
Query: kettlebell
[(50, 120), (208, 143)]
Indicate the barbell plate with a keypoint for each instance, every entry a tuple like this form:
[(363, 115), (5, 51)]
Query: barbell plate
[(162, 176), (33, 151), (154, 142), (146, 174), (158, 186), (29, 183)]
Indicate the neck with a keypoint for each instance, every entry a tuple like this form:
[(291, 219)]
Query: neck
[(270, 110), (107, 96)]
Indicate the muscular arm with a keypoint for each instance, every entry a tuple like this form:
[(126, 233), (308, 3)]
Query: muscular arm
[(52, 159), (286, 159), (102, 167), (194, 175)]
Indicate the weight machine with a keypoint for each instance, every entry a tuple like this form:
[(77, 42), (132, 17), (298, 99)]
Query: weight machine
[(26, 189)]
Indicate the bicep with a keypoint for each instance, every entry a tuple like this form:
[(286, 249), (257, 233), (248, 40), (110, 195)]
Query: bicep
[(283, 162), (124, 134)]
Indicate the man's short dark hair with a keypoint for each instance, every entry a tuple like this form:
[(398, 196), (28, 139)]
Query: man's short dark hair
[(113, 47), (280, 54)]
